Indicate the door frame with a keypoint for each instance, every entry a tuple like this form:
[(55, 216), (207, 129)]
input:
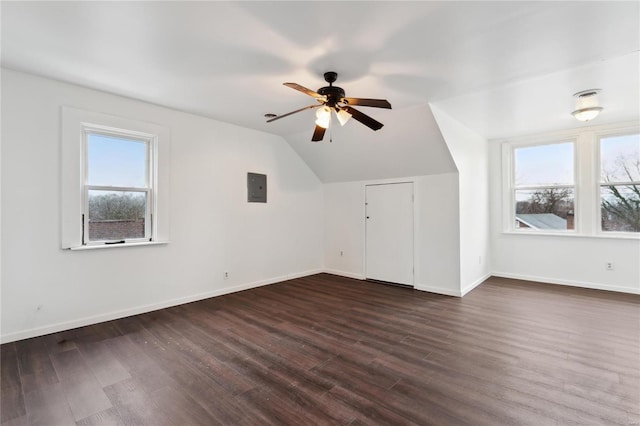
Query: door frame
[(414, 224)]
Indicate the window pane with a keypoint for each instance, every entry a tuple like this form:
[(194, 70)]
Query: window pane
[(544, 165), (620, 208), (620, 159), (114, 161), (545, 209), (116, 215)]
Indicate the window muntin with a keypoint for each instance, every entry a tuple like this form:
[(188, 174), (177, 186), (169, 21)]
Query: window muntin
[(619, 186), (118, 190), (543, 187)]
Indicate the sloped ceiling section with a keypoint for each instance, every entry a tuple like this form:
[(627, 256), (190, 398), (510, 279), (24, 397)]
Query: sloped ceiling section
[(410, 144)]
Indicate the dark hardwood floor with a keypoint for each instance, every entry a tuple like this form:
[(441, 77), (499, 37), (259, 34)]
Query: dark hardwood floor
[(331, 350)]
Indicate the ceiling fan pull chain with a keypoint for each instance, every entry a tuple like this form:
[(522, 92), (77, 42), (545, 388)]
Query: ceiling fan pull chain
[(330, 130)]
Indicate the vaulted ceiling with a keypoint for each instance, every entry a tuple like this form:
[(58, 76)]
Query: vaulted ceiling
[(501, 68)]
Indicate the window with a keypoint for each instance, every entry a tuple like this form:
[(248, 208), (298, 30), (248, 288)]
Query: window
[(619, 186), (118, 188), (114, 181), (581, 182), (543, 187)]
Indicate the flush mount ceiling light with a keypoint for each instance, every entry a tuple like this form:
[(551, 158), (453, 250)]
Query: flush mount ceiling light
[(586, 105)]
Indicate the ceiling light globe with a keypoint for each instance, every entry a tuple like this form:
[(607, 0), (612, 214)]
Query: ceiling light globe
[(343, 116), (586, 114), (323, 116)]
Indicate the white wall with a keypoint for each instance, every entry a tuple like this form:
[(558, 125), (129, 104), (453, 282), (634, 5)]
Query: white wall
[(344, 228), (437, 267), (213, 228), (469, 152), (571, 260), (409, 144)]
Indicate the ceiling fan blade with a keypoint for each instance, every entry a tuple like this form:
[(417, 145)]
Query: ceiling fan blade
[(304, 90), (377, 103), (363, 118), (318, 134), (292, 112)]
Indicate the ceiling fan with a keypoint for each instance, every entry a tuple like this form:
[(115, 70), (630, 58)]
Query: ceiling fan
[(332, 98)]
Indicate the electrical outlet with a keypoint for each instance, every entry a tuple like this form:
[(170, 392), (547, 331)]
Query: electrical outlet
[(226, 275), (609, 266)]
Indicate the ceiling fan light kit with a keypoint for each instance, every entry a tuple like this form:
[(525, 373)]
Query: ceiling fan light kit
[(343, 117), (323, 117), (587, 105), (332, 98)]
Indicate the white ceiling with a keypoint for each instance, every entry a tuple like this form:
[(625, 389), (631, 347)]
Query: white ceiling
[(491, 65)]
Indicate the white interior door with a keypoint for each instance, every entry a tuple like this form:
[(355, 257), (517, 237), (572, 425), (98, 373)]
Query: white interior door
[(389, 233)]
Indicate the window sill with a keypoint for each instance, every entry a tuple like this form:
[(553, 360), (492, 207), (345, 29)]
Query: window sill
[(111, 246), (576, 235)]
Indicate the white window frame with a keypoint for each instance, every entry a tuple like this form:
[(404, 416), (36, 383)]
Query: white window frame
[(599, 136), (73, 175), (150, 142), (509, 196), (587, 217)]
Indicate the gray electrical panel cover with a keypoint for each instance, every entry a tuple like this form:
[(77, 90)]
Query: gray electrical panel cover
[(256, 188)]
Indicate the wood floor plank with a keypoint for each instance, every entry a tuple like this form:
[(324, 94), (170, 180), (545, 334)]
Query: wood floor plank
[(12, 402), (84, 395), (12, 405), (59, 342), (18, 421), (332, 350), (181, 409), (69, 363), (34, 365), (108, 417), (103, 364), (9, 373), (48, 406), (143, 415)]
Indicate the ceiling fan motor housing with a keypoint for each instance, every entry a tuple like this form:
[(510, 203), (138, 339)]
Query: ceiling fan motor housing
[(333, 94)]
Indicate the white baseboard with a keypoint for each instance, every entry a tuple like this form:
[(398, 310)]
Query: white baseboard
[(300, 275), (345, 274), (547, 280), (474, 284), (438, 290), (109, 316)]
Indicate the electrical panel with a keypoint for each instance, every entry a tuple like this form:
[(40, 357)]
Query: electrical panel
[(256, 188)]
